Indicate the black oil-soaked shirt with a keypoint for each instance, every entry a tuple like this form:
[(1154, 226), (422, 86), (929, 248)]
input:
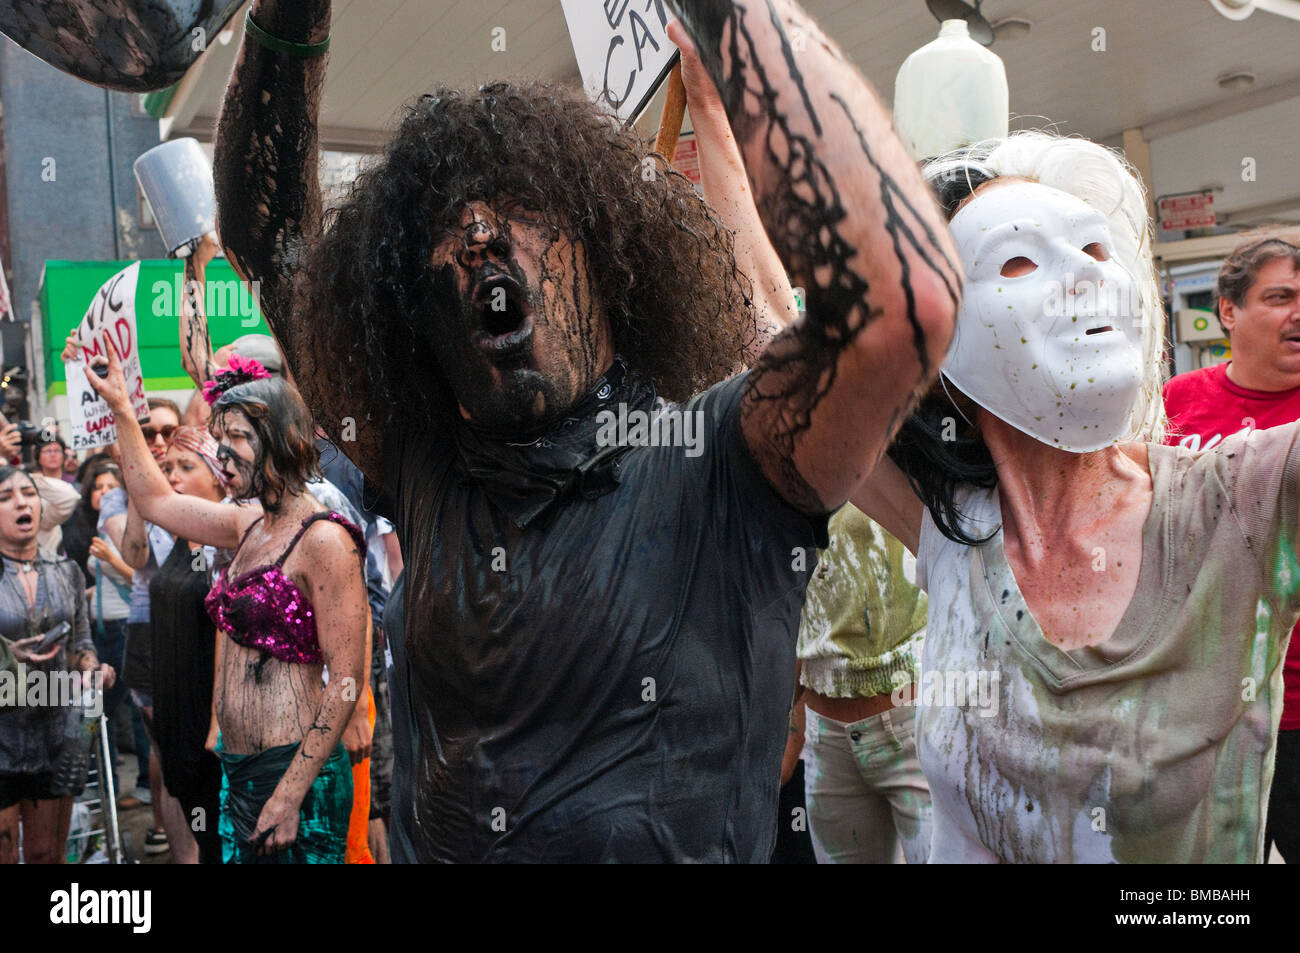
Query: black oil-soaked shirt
[(611, 681)]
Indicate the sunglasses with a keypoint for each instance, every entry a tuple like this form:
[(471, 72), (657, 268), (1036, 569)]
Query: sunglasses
[(151, 433)]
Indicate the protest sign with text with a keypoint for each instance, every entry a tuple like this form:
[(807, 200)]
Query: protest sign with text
[(111, 313), (623, 50)]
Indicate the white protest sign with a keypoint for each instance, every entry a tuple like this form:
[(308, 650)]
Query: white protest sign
[(112, 313), (623, 50)]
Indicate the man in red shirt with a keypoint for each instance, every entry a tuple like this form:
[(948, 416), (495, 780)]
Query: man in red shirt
[(1259, 308)]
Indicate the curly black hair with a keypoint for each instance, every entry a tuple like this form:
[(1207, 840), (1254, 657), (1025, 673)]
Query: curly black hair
[(659, 256)]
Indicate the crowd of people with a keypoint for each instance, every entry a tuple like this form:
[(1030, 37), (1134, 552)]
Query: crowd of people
[(954, 563), (168, 537)]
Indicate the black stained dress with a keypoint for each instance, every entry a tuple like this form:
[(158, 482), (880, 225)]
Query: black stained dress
[(184, 666)]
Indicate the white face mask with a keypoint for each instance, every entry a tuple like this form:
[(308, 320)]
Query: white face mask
[(1034, 289)]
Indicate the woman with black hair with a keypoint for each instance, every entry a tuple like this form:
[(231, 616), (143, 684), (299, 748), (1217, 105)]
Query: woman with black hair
[(37, 595), (100, 476), (1101, 678), (97, 477), (291, 603)]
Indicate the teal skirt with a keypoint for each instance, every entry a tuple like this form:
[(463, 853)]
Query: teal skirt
[(247, 783)]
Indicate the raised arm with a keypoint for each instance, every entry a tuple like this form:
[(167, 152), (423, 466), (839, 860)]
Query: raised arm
[(268, 195), (726, 188), (59, 500), (196, 343), (190, 517), (853, 221), (887, 497)]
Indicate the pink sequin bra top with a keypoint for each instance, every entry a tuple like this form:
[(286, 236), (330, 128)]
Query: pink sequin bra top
[(264, 609)]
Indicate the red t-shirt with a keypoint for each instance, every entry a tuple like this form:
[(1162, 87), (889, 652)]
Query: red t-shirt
[(1204, 407)]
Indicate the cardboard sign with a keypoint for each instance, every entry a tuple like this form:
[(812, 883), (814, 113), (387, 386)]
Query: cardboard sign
[(111, 313), (623, 50)]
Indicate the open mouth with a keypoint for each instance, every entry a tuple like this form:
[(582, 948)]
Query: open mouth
[(505, 318), (26, 519)]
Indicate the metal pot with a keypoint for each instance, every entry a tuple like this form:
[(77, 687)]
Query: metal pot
[(176, 178)]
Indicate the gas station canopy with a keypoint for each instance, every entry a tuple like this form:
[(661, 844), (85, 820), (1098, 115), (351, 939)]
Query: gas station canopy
[(1197, 101)]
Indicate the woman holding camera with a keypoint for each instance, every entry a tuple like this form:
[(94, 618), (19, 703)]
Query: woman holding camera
[(37, 595)]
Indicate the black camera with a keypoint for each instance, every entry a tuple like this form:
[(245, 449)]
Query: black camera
[(32, 435)]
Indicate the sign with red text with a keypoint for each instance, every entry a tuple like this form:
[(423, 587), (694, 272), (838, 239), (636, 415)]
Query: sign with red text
[(623, 50), (111, 314), (1190, 210), (687, 158)]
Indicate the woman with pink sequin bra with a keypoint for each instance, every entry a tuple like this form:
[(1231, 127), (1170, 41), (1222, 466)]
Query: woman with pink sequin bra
[(291, 605)]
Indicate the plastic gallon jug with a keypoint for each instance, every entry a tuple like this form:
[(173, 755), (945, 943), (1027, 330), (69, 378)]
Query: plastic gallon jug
[(950, 93)]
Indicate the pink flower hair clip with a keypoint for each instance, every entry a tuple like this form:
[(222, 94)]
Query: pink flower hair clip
[(240, 370)]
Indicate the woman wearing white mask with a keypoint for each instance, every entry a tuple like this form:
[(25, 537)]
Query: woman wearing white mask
[(1101, 678)]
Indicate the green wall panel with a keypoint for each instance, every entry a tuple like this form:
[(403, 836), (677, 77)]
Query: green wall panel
[(70, 286)]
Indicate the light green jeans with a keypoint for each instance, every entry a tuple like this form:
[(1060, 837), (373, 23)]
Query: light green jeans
[(864, 789)]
